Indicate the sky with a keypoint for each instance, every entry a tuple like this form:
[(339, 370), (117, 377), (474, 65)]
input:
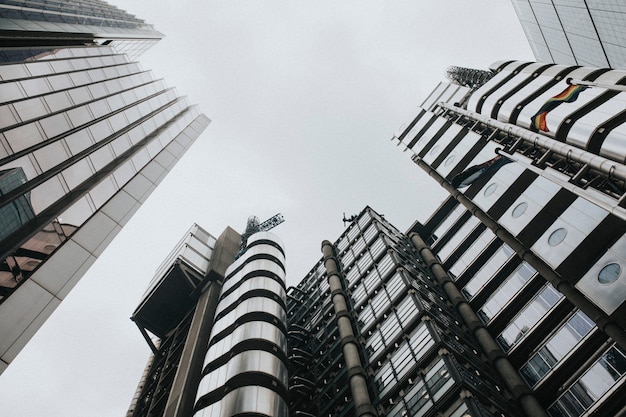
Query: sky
[(304, 97)]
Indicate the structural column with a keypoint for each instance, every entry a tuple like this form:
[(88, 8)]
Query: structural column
[(356, 373), (530, 405), (602, 320)]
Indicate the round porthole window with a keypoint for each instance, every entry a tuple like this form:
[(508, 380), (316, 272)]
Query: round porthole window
[(519, 209), (557, 237), (449, 160), (434, 149), (491, 188), (609, 274)]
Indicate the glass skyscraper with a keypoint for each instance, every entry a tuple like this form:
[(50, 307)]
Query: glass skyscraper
[(575, 32), (85, 136)]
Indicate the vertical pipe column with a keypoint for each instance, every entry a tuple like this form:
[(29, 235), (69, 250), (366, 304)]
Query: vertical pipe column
[(356, 374), (604, 322), (529, 403)]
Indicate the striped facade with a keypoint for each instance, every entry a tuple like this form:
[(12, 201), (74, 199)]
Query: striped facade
[(536, 247), (245, 370)]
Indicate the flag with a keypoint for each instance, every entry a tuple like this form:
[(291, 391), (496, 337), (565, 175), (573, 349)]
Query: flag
[(569, 95), (474, 172)]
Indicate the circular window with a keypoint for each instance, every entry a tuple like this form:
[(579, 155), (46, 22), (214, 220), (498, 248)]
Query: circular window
[(449, 161), (557, 237), (519, 210), (609, 274), (434, 149), (491, 188)]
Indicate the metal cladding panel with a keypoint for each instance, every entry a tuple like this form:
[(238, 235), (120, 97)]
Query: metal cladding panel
[(518, 81), (497, 185), (455, 156), (437, 148), (605, 282), (527, 90), (528, 204), (247, 346), (483, 91), (568, 231)]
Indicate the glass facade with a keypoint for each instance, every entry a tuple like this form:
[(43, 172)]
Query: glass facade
[(85, 136), (576, 32), (417, 355), (31, 29)]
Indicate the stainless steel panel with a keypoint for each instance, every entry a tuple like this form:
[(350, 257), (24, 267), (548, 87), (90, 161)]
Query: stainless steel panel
[(578, 220), (608, 296), (536, 196)]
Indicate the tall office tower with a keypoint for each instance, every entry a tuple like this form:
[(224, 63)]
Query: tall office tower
[(368, 332), (85, 136), (575, 32), (29, 29), (532, 233), (219, 323), (372, 333)]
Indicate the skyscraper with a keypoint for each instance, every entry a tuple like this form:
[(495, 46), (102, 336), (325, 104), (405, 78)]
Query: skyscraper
[(508, 300), (532, 233), (85, 136), (218, 316), (578, 32)]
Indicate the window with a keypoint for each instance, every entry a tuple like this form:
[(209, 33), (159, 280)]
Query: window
[(557, 236), (557, 347), (491, 188), (529, 317), (519, 209), (507, 291), (609, 274), (590, 388)]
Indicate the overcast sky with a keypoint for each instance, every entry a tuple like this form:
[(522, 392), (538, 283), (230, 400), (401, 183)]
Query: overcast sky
[(304, 97)]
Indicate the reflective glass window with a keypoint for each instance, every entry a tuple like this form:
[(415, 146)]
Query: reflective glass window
[(366, 317), (359, 295), (374, 343), (406, 310), (557, 347), (402, 361), (507, 291), (369, 234), (380, 302), (365, 261), (385, 379), (386, 265), (459, 237), (475, 249), (377, 248), (529, 317), (372, 280), (421, 340), (395, 285), (438, 380), (390, 328), (358, 245), (592, 386), (488, 271)]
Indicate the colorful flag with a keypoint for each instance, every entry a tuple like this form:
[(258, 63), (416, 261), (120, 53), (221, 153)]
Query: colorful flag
[(569, 95), (474, 172)]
